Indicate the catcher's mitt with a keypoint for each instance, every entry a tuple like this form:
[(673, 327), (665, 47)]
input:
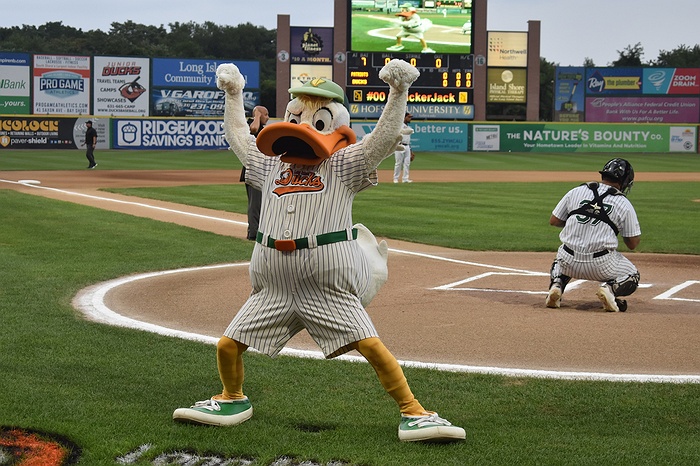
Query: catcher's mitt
[(413, 156)]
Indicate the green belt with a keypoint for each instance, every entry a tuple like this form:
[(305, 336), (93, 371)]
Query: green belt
[(303, 243)]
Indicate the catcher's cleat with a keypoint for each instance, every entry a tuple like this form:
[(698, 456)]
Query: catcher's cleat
[(429, 428), (607, 297), (215, 412), (395, 48), (553, 297)]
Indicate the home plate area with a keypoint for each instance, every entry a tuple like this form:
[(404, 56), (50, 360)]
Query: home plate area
[(484, 309)]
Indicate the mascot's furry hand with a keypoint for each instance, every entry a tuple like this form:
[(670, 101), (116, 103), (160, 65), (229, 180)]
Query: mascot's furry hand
[(399, 74), (229, 79)]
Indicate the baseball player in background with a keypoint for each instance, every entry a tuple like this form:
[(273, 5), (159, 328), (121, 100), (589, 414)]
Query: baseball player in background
[(403, 157), (411, 25), (592, 215), (309, 269)]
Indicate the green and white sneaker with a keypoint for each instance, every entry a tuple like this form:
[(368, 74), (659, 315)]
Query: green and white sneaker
[(216, 412), (429, 428)]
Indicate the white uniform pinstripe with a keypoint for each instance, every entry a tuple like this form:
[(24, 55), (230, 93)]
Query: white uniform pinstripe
[(316, 288), (586, 236)]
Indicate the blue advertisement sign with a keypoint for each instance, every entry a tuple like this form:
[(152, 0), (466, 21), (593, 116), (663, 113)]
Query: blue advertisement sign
[(186, 73), (421, 111), (14, 59), (569, 93), (614, 81), (427, 136), (168, 134)]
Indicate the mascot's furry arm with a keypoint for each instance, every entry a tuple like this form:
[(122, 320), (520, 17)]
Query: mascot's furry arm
[(383, 141), (236, 131)]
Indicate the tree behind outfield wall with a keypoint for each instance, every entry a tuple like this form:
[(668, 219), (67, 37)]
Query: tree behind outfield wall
[(250, 42), (180, 40)]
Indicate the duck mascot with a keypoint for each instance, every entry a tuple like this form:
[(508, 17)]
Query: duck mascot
[(311, 267)]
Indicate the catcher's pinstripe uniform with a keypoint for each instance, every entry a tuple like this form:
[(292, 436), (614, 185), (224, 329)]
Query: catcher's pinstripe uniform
[(589, 244), (305, 288)]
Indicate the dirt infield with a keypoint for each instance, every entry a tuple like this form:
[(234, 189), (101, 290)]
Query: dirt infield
[(439, 305)]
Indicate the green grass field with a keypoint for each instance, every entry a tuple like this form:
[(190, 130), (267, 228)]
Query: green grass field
[(111, 391)]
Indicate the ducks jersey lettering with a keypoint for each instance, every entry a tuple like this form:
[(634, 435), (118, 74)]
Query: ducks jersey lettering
[(298, 181)]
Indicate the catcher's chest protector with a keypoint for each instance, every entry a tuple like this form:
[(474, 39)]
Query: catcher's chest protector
[(595, 208)]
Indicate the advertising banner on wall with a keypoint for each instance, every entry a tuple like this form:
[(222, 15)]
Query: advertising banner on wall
[(671, 81), (121, 86), (486, 138), (168, 134), (61, 85), (560, 137), (37, 132), (418, 110), (643, 109), (508, 86), (14, 83), (613, 81), (569, 90), (428, 136), (302, 74), (507, 49), (187, 87), (198, 73), (188, 102), (311, 45)]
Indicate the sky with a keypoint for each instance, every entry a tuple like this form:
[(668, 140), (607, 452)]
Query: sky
[(571, 31)]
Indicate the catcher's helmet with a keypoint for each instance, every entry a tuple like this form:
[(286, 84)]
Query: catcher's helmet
[(621, 171)]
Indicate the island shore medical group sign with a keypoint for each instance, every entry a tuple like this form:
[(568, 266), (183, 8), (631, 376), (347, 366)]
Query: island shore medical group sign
[(61, 85)]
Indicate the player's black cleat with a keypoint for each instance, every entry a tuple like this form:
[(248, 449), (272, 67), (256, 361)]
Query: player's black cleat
[(621, 304)]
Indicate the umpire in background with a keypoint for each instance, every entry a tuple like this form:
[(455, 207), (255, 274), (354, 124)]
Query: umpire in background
[(257, 123), (90, 143), (591, 216)]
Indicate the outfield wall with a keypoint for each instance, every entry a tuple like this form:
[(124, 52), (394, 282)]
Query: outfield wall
[(56, 132)]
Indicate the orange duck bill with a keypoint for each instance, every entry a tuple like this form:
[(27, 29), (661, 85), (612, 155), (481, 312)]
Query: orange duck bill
[(301, 144)]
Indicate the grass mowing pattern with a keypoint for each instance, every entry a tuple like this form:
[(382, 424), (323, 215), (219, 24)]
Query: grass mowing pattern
[(112, 390), (226, 160), (480, 216)]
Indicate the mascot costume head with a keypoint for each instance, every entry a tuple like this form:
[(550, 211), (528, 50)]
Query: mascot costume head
[(311, 267)]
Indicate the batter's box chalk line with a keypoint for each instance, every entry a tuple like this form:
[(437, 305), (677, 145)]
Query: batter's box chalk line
[(457, 286), (676, 289)]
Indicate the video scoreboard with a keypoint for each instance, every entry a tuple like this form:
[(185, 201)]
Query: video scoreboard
[(444, 78)]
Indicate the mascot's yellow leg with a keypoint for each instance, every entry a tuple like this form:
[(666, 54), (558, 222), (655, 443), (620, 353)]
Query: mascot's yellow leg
[(390, 375), (229, 359)]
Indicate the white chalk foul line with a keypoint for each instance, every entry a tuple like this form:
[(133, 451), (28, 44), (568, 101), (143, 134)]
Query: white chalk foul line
[(90, 301), (33, 184)]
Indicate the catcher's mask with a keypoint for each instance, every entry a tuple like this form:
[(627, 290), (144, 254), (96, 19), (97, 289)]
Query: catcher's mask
[(620, 171)]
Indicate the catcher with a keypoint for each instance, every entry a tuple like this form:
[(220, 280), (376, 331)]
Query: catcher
[(592, 215)]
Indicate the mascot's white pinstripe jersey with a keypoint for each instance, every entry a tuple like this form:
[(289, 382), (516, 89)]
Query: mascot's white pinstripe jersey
[(306, 288)]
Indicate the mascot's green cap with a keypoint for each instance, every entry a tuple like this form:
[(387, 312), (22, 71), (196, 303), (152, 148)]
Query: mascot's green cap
[(322, 88)]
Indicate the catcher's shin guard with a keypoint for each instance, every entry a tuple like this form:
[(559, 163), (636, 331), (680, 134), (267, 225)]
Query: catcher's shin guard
[(627, 286)]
